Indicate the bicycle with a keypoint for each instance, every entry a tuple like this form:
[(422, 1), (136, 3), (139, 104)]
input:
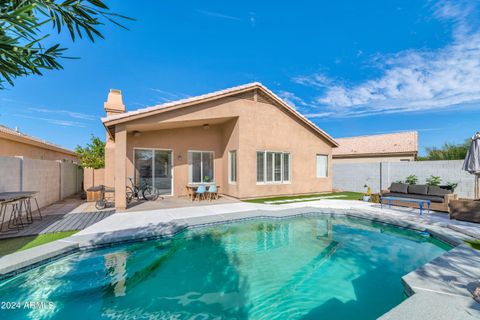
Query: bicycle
[(146, 191)]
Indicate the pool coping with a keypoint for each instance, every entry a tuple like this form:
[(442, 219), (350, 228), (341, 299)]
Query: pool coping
[(452, 275)]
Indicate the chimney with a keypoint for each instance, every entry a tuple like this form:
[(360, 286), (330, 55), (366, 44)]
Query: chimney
[(114, 103)]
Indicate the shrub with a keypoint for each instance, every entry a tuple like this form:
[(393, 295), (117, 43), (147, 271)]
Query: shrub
[(411, 179), (434, 180), (452, 185)]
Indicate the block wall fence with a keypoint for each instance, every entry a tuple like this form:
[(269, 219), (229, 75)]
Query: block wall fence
[(55, 180), (354, 176)]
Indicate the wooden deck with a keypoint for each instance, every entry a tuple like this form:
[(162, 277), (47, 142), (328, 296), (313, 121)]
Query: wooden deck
[(59, 222)]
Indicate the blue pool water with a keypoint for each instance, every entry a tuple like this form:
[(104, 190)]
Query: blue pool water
[(299, 268)]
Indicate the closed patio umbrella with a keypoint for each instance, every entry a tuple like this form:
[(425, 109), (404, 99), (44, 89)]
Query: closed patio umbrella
[(472, 161)]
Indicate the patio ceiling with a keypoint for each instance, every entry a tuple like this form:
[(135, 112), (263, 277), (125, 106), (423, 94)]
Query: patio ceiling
[(177, 124)]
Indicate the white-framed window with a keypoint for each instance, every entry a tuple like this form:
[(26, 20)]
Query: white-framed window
[(322, 166), (273, 167), (200, 166), (232, 167)]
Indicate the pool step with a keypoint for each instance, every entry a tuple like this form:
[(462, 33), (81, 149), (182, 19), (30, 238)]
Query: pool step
[(98, 271)]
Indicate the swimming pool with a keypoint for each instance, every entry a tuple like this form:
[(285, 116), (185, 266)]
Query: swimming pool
[(313, 267)]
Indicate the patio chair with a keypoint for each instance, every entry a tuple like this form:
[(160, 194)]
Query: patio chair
[(200, 192), (212, 192), (190, 192)]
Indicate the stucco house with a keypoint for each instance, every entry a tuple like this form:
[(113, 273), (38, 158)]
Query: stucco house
[(15, 143), (390, 147), (245, 139)]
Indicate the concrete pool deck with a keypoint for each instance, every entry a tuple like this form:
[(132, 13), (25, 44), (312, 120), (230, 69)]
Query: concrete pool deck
[(441, 289)]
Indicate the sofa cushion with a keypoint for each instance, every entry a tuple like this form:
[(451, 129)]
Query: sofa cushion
[(434, 199), (399, 187), (418, 189), (437, 191)]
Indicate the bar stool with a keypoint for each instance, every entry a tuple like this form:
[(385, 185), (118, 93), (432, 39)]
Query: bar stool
[(16, 215), (28, 208), (36, 203), (3, 212), (15, 221)]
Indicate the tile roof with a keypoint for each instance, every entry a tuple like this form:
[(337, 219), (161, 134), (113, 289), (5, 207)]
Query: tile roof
[(33, 140), (220, 93), (181, 101), (403, 142)]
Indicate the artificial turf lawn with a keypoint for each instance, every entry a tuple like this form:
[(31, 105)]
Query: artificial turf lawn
[(475, 244), (8, 246), (347, 196)]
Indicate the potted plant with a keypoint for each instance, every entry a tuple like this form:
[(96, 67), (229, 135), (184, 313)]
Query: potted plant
[(434, 181), (411, 179), (450, 186), (206, 179), (367, 195)]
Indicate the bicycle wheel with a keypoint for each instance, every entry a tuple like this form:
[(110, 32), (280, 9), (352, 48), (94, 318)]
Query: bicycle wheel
[(100, 204), (150, 194), (129, 194)]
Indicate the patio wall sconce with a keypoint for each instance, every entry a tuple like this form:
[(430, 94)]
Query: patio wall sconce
[(137, 134), (206, 126), (179, 157)]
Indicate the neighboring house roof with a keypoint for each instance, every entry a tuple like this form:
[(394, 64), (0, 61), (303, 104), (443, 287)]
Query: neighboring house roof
[(381, 144), (144, 112), (15, 135)]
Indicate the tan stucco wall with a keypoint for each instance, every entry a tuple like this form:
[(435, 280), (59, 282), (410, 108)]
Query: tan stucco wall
[(374, 159), (268, 127), (109, 174), (180, 141), (15, 148), (235, 124)]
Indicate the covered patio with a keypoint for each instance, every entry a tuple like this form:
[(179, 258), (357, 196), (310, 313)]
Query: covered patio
[(169, 153), (177, 202)]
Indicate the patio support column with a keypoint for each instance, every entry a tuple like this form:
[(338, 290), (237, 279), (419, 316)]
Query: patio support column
[(120, 166)]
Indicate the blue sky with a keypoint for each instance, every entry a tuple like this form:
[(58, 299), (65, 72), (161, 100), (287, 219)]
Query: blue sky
[(353, 67)]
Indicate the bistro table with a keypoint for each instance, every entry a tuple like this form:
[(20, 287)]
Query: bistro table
[(20, 201), (192, 189)]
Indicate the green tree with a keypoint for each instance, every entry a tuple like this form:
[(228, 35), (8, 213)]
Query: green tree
[(93, 154), (22, 32), (448, 152)]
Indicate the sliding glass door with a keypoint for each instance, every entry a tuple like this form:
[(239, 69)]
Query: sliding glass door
[(154, 168)]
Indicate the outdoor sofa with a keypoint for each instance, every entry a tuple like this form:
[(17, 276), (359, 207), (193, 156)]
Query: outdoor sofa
[(439, 197)]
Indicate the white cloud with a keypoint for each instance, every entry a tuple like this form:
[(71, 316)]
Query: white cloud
[(412, 80), (218, 15), (71, 114), (462, 13), (291, 99), (167, 96), (318, 80), (63, 123)]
